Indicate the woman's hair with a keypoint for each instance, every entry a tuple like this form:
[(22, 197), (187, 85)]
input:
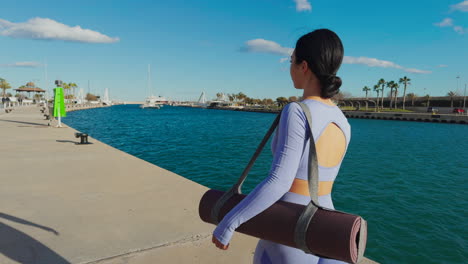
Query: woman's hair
[(323, 51)]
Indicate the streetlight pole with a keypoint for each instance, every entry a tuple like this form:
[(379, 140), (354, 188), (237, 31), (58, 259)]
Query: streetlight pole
[(458, 78), (464, 99), (426, 95), (47, 93)]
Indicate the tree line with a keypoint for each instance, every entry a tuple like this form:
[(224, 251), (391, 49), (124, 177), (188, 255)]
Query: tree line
[(379, 88), (69, 90), (243, 99), (394, 87)]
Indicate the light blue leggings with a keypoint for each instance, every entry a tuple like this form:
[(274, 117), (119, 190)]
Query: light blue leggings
[(271, 253)]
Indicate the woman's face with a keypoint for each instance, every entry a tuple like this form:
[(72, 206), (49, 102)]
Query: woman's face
[(295, 71)]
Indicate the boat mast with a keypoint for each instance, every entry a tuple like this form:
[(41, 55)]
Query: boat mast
[(149, 81), (202, 98)]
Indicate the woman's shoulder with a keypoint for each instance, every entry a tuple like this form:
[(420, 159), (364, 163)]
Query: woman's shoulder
[(293, 110), (326, 113)]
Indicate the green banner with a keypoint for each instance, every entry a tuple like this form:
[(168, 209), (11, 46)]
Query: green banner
[(59, 103)]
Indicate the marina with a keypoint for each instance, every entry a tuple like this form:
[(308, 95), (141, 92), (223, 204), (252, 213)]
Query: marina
[(132, 133)]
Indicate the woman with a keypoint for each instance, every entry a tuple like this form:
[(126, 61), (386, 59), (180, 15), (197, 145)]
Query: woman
[(314, 64)]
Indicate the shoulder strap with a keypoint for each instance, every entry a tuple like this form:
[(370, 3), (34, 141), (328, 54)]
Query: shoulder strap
[(312, 169), (304, 220), (237, 188)]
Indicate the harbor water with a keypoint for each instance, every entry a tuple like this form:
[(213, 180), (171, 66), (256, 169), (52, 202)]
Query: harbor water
[(407, 179)]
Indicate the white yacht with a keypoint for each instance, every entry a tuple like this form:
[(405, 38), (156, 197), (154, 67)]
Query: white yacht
[(153, 102), (221, 101)]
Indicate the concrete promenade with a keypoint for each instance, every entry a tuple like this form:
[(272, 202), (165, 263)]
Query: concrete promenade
[(66, 203)]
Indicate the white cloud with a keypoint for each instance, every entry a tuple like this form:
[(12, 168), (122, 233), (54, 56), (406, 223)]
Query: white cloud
[(266, 46), (448, 22), (303, 5), (372, 62), (462, 6), (460, 30), (48, 29), (23, 64), (442, 66), (411, 70)]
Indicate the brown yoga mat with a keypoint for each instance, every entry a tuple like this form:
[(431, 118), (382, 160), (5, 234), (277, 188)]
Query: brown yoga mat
[(327, 236), (312, 228)]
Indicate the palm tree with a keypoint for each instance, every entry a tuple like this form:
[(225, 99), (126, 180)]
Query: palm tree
[(366, 89), (390, 85), (412, 96), (292, 98), (241, 96), (377, 89), (396, 86), (382, 83), (66, 89), (73, 86), (406, 81), (281, 101), (4, 85), (427, 97), (451, 94), (267, 101)]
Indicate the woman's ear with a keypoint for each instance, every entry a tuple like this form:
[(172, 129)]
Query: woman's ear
[(304, 66)]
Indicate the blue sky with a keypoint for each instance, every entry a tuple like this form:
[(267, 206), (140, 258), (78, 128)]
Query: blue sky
[(229, 46)]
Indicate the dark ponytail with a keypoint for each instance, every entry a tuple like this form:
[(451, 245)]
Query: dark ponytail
[(323, 51)]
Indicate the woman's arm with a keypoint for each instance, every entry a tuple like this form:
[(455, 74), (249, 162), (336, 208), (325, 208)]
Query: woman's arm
[(288, 153)]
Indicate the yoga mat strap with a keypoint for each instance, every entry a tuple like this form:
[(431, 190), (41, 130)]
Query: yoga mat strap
[(300, 231), (220, 203), (237, 188), (238, 185), (312, 176), (312, 173)]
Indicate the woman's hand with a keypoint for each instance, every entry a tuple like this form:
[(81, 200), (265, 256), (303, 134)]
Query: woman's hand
[(219, 244)]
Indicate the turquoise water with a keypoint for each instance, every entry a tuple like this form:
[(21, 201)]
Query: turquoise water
[(407, 179)]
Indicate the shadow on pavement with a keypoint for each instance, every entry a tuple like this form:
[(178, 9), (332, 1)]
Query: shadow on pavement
[(24, 249), (27, 123), (66, 141), (70, 141)]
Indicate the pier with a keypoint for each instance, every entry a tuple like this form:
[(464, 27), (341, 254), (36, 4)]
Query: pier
[(64, 202), (418, 117), (398, 116)]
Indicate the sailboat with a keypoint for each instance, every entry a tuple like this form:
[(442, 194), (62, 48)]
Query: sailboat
[(152, 102), (202, 100), (106, 100)]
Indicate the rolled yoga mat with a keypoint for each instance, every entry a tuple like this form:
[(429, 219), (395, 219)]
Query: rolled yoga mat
[(327, 236)]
